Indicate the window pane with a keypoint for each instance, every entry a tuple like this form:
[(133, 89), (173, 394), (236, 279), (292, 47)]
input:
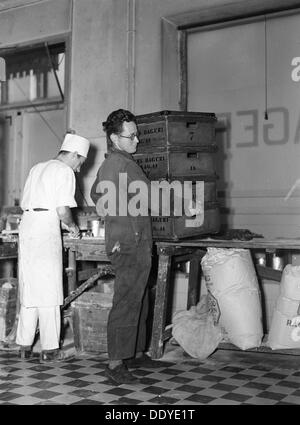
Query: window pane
[(30, 74), (53, 90)]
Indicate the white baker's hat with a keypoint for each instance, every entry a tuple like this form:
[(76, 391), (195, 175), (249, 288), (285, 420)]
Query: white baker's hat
[(75, 143)]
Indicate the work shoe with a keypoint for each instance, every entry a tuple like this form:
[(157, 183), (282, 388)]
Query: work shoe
[(51, 356), (144, 361), (25, 352), (120, 375)]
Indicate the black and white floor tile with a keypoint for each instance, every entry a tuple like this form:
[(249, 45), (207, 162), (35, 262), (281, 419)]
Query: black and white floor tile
[(216, 381)]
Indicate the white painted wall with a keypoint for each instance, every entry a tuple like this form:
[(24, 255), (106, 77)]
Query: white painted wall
[(98, 76)]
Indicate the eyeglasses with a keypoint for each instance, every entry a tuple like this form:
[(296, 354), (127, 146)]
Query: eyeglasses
[(131, 137)]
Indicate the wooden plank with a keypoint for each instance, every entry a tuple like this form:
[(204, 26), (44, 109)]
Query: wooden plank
[(87, 273), (229, 12), (89, 283), (194, 283), (268, 273), (71, 271), (75, 243), (95, 252), (183, 258), (170, 76), (160, 307), (77, 329), (8, 250), (290, 244), (163, 249), (183, 89), (167, 334), (262, 349), (80, 256)]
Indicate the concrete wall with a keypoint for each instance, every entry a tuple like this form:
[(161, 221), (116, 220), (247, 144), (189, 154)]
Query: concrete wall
[(98, 76), (34, 21)]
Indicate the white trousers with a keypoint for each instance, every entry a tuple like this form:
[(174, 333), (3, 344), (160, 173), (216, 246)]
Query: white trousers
[(49, 323)]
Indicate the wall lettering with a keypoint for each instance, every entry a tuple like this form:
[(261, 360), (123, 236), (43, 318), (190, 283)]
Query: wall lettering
[(282, 123), (296, 71), (252, 128), (276, 131)]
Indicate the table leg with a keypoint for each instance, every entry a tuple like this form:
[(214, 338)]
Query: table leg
[(194, 278), (160, 307), (194, 283), (8, 268), (72, 275)]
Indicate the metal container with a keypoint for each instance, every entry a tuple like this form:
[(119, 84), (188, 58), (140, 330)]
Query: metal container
[(260, 258), (96, 227), (277, 262)]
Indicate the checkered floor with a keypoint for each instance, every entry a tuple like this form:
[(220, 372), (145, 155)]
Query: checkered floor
[(234, 380)]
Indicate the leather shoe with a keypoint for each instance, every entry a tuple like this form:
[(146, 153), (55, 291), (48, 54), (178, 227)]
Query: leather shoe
[(144, 361), (51, 356), (120, 375)]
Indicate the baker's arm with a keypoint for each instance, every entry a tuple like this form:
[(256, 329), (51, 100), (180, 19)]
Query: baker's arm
[(65, 216)]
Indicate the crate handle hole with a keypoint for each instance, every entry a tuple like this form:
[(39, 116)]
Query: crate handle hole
[(192, 154), (191, 125)]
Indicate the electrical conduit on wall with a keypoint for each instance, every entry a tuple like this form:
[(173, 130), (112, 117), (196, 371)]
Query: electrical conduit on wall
[(131, 30)]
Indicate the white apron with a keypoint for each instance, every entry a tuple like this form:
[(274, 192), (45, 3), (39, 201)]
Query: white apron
[(40, 259)]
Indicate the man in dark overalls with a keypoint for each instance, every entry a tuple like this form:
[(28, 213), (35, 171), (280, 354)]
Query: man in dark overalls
[(128, 242)]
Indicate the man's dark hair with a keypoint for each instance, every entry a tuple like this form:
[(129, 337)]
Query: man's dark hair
[(114, 122)]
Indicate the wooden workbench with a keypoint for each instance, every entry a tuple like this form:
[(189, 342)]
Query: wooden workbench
[(193, 250), (93, 249), (85, 249)]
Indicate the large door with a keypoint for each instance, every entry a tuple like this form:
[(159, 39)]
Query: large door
[(237, 72)]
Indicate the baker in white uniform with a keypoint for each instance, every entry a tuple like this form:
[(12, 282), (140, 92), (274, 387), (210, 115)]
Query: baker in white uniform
[(47, 198)]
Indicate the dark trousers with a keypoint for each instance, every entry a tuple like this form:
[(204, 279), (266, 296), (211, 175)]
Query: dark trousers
[(126, 328)]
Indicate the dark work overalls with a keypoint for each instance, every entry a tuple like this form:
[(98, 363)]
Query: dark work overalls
[(126, 330)]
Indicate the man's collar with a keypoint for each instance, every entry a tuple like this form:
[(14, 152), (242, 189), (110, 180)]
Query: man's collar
[(118, 151)]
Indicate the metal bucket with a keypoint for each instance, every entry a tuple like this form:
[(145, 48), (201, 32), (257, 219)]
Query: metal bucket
[(97, 228)]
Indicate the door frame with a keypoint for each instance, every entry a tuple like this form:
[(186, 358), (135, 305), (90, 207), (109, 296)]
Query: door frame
[(175, 29)]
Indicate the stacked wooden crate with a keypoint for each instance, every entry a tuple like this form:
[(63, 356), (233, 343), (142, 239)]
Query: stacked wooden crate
[(90, 314), (180, 146)]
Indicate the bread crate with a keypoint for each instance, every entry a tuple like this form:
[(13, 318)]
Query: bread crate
[(175, 228), (89, 315), (175, 128), (179, 162)]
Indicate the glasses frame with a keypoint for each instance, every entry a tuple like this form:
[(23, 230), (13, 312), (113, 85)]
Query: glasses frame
[(132, 137)]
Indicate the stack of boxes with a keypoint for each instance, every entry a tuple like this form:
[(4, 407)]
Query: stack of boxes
[(90, 314), (180, 146)]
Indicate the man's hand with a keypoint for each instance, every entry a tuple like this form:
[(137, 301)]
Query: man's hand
[(67, 223), (196, 208), (74, 231)]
